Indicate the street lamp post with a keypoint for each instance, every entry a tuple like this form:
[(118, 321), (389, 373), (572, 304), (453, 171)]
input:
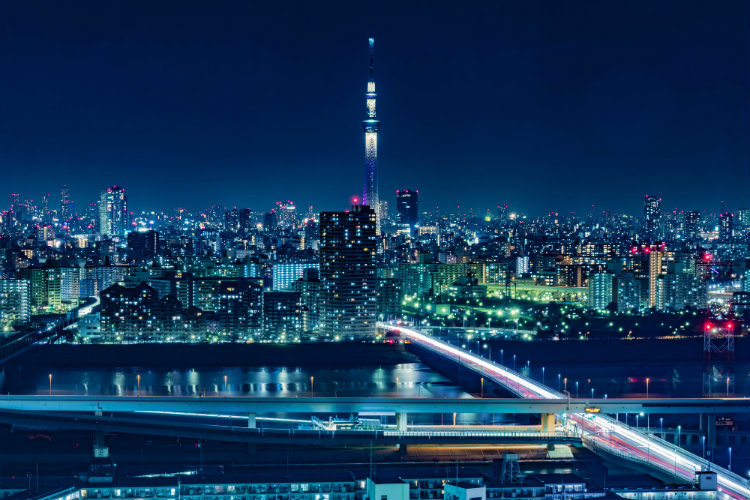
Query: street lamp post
[(312, 385), (542, 375), (50, 384), (661, 426), (138, 389), (577, 389), (481, 393), (502, 357), (514, 362), (679, 434), (225, 383), (729, 467), (703, 443), (647, 381), (558, 382)]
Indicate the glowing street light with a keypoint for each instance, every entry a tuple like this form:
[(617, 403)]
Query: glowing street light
[(481, 393), (138, 390), (50, 384), (225, 383), (312, 385)]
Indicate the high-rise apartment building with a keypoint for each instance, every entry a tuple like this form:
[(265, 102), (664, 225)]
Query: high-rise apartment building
[(15, 304), (655, 262), (602, 290), (348, 272), (652, 217), (285, 274), (113, 212)]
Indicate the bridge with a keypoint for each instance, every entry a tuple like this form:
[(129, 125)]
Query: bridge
[(19, 343), (599, 432), (238, 405), (171, 427)]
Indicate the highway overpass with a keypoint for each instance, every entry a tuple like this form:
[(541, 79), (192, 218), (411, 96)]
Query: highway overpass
[(158, 425), (343, 405), (599, 432)]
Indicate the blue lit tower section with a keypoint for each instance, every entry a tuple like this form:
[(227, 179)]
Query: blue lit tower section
[(371, 126)]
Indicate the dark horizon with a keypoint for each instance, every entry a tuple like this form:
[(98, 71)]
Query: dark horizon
[(543, 107)]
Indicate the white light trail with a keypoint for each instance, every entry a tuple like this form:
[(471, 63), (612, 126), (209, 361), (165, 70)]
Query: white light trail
[(658, 453)]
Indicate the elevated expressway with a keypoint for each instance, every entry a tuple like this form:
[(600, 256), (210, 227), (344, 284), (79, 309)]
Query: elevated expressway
[(599, 432)]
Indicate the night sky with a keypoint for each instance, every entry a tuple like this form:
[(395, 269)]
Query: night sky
[(544, 106)]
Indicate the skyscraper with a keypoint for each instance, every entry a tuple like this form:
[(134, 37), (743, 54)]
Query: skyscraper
[(371, 125), (348, 273), (66, 204), (407, 207), (655, 258), (692, 224), (726, 227), (652, 217), (113, 212)]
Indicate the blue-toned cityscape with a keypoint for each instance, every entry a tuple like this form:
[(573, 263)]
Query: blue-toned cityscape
[(382, 341)]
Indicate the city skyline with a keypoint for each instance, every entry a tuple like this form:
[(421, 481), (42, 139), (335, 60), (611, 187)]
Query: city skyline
[(522, 108)]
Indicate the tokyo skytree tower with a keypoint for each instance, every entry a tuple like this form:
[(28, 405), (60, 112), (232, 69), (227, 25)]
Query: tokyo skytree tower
[(371, 125)]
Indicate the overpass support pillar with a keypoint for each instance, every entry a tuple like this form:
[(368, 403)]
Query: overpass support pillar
[(101, 450), (401, 421), (710, 429), (251, 423), (548, 422)]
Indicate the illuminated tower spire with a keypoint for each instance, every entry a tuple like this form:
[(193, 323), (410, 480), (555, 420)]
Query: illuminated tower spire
[(371, 126)]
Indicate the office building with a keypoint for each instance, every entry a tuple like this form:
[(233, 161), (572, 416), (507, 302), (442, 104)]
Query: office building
[(407, 207), (143, 246), (652, 218), (692, 224), (113, 212)]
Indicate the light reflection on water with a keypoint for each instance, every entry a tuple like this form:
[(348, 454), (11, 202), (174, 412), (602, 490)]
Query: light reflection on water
[(403, 380)]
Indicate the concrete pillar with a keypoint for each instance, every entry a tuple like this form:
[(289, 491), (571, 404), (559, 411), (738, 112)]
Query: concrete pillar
[(251, 420), (101, 450), (401, 421), (548, 422), (710, 431)]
